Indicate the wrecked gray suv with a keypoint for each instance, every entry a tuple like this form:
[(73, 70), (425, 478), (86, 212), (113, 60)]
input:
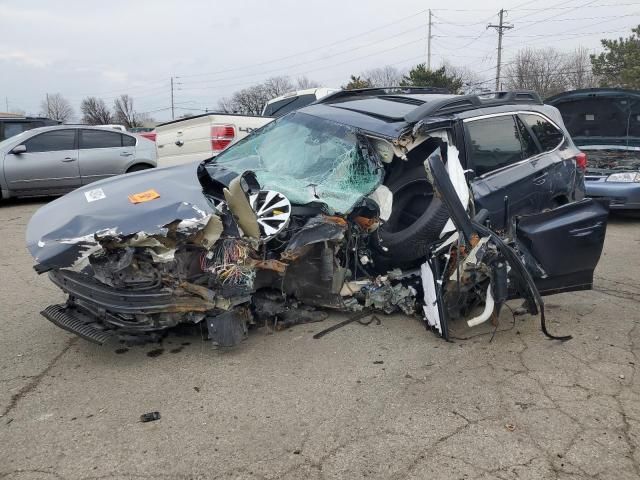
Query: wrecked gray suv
[(400, 199)]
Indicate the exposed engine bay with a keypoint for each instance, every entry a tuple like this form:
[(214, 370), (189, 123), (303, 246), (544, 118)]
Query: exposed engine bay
[(234, 251)]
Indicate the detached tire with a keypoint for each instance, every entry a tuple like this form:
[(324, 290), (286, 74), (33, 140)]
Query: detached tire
[(416, 220)]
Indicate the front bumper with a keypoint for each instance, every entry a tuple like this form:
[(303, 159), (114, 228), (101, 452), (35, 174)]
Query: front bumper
[(144, 302), (622, 196)]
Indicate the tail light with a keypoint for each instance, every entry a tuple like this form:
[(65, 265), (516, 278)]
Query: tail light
[(581, 161), (221, 136), (149, 135)]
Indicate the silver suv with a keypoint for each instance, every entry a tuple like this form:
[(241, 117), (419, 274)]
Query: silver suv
[(55, 160)]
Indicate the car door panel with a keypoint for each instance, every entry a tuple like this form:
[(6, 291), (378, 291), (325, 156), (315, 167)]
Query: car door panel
[(102, 155), (556, 173), (46, 171), (566, 242)]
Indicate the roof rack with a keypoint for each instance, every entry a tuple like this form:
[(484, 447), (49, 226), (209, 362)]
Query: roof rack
[(461, 103), (374, 91)]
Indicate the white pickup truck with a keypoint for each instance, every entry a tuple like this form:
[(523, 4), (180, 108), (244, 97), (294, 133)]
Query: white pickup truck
[(204, 136)]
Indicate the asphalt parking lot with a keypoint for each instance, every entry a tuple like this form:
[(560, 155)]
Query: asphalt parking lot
[(387, 400)]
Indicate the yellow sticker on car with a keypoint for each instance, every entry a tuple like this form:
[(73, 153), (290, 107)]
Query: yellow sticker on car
[(145, 196)]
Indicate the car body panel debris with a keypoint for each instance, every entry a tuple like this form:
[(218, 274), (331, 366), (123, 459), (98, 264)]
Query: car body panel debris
[(403, 200)]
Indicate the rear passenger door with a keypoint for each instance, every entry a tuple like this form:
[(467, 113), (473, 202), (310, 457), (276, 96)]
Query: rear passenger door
[(498, 151), (104, 153), (555, 173)]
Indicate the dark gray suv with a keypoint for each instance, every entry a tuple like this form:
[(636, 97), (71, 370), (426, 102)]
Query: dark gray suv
[(400, 199)]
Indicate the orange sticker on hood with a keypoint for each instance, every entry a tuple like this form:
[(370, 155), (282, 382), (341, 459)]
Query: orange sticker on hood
[(144, 196)]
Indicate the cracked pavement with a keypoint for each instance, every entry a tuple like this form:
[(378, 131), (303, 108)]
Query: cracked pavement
[(284, 405)]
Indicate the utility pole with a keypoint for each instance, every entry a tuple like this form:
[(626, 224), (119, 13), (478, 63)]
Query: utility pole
[(173, 116), (429, 43), (500, 29)]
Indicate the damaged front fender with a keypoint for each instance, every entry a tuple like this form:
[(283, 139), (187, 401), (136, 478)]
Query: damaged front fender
[(63, 233)]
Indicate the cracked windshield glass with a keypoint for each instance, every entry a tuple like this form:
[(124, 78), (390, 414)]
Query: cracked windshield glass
[(308, 159)]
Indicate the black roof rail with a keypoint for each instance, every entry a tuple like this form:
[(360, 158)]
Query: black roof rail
[(461, 103), (377, 91)]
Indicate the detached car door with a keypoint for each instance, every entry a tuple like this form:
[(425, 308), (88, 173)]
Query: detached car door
[(498, 151), (48, 166), (104, 153), (566, 243)]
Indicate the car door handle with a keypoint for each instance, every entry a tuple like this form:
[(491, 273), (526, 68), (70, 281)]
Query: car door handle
[(540, 178), (126, 154), (69, 159)]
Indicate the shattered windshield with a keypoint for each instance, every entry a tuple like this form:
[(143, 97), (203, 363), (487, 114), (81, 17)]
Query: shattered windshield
[(308, 159)]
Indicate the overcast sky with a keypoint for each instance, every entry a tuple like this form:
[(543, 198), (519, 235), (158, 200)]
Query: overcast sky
[(81, 48)]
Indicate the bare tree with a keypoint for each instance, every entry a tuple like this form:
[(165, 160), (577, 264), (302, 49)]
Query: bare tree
[(302, 83), (251, 100), (542, 70), (275, 86), (387, 76), (578, 69), (248, 101), (471, 81), (57, 107), (95, 112), (226, 105), (124, 113)]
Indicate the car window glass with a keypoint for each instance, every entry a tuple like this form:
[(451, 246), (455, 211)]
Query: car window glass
[(286, 105), (548, 135), (308, 159), (128, 141), (100, 139), (495, 143), (11, 129), (53, 141), (529, 147)]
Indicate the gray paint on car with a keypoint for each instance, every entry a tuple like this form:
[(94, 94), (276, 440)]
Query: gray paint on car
[(69, 164)]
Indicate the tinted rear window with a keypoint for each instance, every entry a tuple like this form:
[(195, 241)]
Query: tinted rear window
[(128, 141), (100, 139), (52, 141), (546, 133), (286, 105), (495, 143), (529, 147)]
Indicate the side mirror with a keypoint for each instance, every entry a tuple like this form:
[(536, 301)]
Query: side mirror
[(19, 149)]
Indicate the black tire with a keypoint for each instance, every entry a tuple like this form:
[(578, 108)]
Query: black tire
[(416, 220), (139, 167)]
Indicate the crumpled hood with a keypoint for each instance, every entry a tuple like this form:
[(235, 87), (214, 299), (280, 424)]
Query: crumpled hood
[(64, 231)]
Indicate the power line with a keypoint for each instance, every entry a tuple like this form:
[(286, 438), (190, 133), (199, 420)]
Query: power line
[(542, 9), (583, 18), (322, 47), (307, 62), (421, 39), (563, 13)]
